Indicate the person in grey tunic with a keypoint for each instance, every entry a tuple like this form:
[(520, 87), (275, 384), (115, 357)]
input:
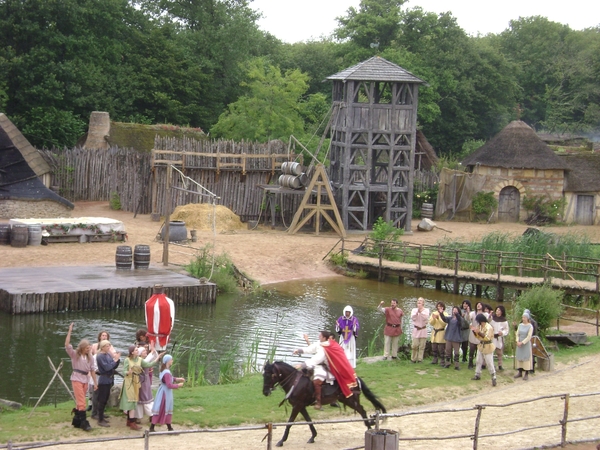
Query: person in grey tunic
[(524, 355)]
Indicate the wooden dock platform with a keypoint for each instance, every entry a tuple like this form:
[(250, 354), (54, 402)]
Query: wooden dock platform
[(65, 288)]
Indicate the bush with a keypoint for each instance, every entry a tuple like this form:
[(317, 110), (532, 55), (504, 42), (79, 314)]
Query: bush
[(542, 210), (543, 302), (115, 201), (483, 204), (216, 268), (385, 231)]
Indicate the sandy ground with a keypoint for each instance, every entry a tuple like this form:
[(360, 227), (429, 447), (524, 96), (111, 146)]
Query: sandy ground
[(270, 256)]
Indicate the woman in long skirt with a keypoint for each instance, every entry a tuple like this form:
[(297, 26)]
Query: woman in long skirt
[(133, 367), (162, 411), (524, 355)]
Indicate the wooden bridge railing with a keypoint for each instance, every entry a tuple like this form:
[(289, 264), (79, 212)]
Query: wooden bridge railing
[(497, 263)]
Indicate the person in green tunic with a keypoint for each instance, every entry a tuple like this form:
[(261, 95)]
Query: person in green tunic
[(133, 368)]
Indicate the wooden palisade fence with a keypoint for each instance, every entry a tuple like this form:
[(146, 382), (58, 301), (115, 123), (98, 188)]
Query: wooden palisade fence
[(232, 170)]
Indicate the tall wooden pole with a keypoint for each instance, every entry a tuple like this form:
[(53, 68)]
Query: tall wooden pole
[(167, 217)]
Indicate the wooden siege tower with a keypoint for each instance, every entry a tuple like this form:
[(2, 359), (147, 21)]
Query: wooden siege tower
[(373, 134)]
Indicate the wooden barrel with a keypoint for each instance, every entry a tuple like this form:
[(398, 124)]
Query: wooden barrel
[(427, 211), (19, 235), (291, 168), (289, 181), (141, 257), (4, 234), (35, 234), (124, 257)]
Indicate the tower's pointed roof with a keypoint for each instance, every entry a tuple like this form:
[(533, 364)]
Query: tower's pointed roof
[(376, 69), (516, 147)]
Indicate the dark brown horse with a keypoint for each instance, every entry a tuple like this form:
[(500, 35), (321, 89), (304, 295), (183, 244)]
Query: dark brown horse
[(300, 393)]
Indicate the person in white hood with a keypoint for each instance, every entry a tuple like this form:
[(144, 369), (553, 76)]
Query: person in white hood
[(347, 327)]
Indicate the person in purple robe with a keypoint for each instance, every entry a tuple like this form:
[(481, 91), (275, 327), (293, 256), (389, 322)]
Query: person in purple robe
[(347, 327)]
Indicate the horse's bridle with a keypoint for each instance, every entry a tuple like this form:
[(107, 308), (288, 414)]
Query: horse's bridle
[(276, 376)]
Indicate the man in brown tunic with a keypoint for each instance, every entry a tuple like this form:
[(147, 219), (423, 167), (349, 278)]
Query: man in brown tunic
[(393, 328)]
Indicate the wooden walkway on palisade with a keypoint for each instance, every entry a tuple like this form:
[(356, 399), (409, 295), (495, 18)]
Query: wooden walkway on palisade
[(28, 290)]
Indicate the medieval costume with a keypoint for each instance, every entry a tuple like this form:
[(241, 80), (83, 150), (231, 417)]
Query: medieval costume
[(83, 366), (162, 411), (347, 327), (438, 343), (484, 333), (145, 399), (392, 330), (453, 336), (500, 326), (524, 354), (133, 367), (419, 333)]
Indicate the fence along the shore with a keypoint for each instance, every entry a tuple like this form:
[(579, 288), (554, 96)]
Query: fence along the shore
[(488, 268)]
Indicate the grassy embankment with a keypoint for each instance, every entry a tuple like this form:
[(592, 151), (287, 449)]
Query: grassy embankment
[(399, 385)]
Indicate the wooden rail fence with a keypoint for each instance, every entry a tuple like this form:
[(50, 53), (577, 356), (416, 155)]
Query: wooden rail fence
[(499, 269), (477, 435)]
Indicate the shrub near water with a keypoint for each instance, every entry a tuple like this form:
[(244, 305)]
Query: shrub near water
[(215, 268), (543, 302)]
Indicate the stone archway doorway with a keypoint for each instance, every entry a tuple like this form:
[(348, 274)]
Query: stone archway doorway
[(509, 204)]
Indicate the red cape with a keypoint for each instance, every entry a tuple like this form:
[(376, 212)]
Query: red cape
[(340, 367)]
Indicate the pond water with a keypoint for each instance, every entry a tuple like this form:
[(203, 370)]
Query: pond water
[(246, 325)]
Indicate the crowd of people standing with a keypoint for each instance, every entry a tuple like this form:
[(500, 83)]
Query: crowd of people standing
[(474, 336), (94, 367)]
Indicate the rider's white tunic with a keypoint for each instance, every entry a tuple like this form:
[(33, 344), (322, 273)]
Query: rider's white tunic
[(318, 362)]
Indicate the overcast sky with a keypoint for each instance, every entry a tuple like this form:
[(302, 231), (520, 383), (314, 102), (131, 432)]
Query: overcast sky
[(300, 20)]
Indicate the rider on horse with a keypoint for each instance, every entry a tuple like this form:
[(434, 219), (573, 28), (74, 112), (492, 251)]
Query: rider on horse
[(328, 363)]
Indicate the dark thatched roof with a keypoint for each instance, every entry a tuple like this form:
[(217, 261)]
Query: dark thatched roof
[(427, 153), (376, 69), (515, 147), (583, 172), (20, 168)]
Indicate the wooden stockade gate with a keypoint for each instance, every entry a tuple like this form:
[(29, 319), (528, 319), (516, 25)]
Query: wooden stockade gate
[(500, 270), (525, 426)]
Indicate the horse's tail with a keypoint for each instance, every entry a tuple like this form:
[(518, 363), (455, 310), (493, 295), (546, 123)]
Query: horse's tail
[(371, 396)]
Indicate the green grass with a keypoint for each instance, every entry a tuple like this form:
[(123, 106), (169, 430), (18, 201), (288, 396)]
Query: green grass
[(398, 384)]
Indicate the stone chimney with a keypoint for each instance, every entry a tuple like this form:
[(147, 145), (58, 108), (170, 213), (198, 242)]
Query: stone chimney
[(99, 128)]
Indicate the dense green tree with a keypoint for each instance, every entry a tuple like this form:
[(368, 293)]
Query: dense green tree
[(535, 45), (270, 107), (375, 24)]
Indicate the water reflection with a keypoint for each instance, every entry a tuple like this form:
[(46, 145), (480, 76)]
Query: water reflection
[(278, 316)]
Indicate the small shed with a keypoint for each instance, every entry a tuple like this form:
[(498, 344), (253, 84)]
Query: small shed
[(23, 194), (516, 163), (582, 188)]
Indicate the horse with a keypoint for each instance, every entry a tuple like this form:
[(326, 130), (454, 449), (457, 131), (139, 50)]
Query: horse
[(300, 394)]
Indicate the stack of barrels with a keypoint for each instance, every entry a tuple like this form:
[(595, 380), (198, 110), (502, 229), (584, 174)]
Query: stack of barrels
[(293, 176), (20, 235), (140, 257)]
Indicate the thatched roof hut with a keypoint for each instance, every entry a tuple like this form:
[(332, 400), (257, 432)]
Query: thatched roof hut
[(515, 147)]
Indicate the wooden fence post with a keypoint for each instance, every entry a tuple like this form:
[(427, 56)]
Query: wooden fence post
[(269, 435), (482, 266), (455, 263), (420, 263), (499, 266), (476, 431), (563, 422), (520, 264), (380, 274), (545, 267)]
